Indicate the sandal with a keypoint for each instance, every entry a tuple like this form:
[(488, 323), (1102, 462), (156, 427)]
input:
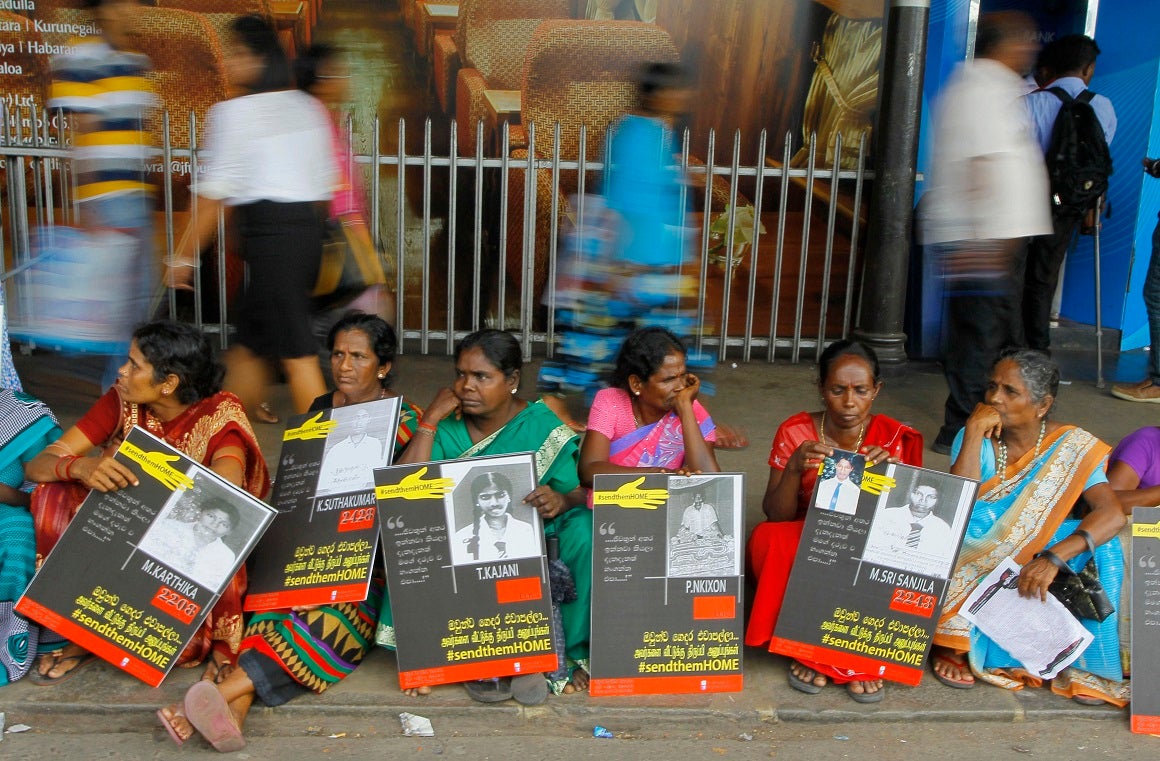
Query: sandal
[(80, 660), (948, 658), (165, 722), (217, 671), (1087, 700), (210, 715), (802, 685), (865, 697), (530, 689), (490, 690)]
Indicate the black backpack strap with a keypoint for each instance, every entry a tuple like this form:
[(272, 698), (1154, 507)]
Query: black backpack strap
[(1086, 96), (1061, 93)]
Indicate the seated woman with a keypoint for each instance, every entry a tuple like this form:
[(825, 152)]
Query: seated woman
[(287, 653), (1012, 447), (482, 414), (650, 417), (27, 426), (848, 383), (171, 387)]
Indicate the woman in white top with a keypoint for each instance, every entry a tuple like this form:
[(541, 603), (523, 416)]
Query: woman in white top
[(269, 159)]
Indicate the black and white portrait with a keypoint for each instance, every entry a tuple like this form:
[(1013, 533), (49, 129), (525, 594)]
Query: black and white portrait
[(703, 524), (487, 519), (362, 440), (917, 521)]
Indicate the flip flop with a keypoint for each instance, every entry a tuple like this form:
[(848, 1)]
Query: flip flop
[(866, 697), (959, 663), (1087, 700), (210, 715), (179, 711), (802, 685), (530, 689), (489, 690), (264, 413), (44, 680)]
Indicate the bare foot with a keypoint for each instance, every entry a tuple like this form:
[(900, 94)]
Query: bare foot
[(807, 675), (578, 682), (414, 692)]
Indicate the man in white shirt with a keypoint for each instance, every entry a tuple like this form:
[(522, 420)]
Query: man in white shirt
[(350, 464), (988, 193), (699, 521), (912, 535), (839, 493)]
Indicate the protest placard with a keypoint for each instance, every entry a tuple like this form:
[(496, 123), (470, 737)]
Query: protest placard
[(667, 592), (1145, 569), (877, 549), (466, 570), (322, 547), (137, 570)]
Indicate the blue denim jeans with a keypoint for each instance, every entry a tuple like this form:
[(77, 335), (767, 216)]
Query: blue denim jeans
[(1152, 304)]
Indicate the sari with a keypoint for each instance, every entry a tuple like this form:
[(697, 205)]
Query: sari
[(773, 545), (657, 445), (1018, 518), (205, 426), (557, 453), (287, 653), (26, 427)]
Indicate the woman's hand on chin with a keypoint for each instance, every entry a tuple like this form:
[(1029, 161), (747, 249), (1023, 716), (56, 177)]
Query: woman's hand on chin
[(985, 422), (445, 403), (687, 395)]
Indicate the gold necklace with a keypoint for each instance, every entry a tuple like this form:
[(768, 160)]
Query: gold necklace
[(861, 434)]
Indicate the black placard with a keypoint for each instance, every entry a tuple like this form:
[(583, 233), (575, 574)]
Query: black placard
[(322, 547), (667, 592), (1145, 620), (468, 602), (135, 573), (871, 571)]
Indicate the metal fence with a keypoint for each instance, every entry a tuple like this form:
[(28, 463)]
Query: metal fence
[(474, 240)]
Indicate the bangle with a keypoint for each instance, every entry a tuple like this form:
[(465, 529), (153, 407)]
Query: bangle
[(66, 460), (1054, 560), (428, 426), (424, 430)]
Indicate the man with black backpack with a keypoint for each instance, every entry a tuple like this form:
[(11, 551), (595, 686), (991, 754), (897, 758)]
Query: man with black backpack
[(1074, 127)]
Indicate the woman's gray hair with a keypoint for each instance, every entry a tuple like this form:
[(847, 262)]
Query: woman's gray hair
[(1040, 374)]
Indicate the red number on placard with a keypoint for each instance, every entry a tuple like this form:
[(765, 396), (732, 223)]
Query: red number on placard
[(181, 608)]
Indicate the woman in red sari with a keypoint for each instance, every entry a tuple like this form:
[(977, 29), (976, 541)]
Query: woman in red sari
[(848, 383), (171, 387)]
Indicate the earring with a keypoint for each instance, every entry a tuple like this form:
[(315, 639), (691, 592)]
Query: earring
[(514, 390), (382, 375), (636, 392), (165, 392)]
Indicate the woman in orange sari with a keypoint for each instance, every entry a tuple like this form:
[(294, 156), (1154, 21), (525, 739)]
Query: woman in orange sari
[(171, 387), (848, 382)]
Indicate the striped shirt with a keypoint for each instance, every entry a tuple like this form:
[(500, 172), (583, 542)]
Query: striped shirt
[(112, 86)]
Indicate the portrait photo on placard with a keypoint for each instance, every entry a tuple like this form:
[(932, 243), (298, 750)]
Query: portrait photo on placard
[(359, 443), (840, 482), (916, 522), (487, 519), (200, 532), (703, 525)]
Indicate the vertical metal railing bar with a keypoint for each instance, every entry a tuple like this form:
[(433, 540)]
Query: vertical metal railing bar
[(167, 205), (452, 218), (581, 186), (553, 233), (703, 249), (782, 205), (222, 282), (501, 254), (425, 305), (66, 195), (528, 247), (45, 140), (755, 238), (854, 230), (827, 270), (477, 231), (682, 196), (807, 213), (400, 231), (35, 166), (730, 237), (376, 186), (192, 226)]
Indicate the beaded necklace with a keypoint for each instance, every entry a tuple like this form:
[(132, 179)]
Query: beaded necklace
[(1001, 445)]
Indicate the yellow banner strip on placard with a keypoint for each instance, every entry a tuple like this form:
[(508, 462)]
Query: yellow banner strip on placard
[(158, 465), (314, 428), (876, 483), (630, 495), (413, 486), (1146, 529)]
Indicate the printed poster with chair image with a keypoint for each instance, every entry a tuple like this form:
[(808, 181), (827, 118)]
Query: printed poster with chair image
[(877, 551), (668, 590), (138, 570), (468, 576), (322, 547)]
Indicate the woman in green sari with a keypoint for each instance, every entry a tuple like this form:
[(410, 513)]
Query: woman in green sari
[(483, 414)]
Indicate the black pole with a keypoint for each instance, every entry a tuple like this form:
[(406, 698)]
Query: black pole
[(883, 297)]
